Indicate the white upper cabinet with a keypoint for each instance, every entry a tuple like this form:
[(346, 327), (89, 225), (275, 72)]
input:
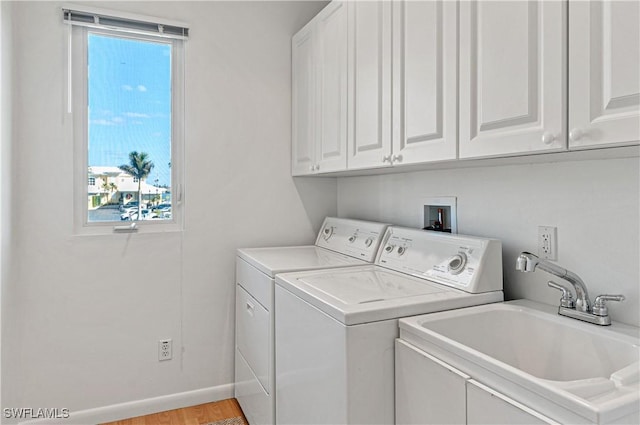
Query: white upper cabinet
[(369, 113), (512, 77), (331, 131), (391, 83), (319, 55), (303, 150), (424, 81), (604, 73)]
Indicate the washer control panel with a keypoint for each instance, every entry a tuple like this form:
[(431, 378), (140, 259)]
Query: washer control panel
[(468, 263), (356, 238)]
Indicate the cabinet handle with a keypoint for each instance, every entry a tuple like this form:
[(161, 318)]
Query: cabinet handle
[(317, 167), (548, 138), (386, 158), (250, 308), (576, 134), (313, 167), (397, 158)]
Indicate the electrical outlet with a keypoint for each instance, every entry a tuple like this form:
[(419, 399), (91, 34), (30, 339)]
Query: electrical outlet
[(165, 349), (547, 242)]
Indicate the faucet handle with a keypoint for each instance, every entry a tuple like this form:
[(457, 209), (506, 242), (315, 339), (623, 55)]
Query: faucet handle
[(600, 307), (567, 297)]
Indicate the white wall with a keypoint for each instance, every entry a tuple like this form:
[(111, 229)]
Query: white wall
[(89, 310), (5, 172), (594, 205)]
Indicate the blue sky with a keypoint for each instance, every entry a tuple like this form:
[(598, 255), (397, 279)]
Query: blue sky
[(130, 103)]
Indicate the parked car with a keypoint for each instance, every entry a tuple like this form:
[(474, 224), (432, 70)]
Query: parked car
[(132, 214), (132, 204), (161, 208)]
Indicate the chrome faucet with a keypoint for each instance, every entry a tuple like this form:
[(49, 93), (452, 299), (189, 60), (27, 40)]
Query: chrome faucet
[(580, 308), (528, 262)]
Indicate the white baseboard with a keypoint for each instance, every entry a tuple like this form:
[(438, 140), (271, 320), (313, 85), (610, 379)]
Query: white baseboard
[(147, 406)]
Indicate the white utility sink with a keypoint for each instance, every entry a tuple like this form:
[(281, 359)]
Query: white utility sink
[(590, 369)]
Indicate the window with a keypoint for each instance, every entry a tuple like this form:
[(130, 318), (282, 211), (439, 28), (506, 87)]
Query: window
[(126, 103)]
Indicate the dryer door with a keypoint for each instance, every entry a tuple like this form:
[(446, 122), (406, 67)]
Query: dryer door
[(253, 335)]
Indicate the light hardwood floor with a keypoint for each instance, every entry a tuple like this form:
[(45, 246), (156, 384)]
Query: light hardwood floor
[(194, 415)]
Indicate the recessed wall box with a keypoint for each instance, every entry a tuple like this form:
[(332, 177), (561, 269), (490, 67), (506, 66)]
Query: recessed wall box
[(439, 214)]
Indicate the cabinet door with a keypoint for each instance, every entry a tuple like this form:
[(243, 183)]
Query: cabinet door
[(424, 81), (303, 101), (486, 406), (370, 84), (512, 77), (604, 70), (428, 391), (331, 134)]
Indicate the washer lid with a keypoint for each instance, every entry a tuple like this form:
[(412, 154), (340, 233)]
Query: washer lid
[(367, 286), (295, 258), (356, 295)]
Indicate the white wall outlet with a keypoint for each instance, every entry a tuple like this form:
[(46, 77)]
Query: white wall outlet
[(548, 242), (165, 349)]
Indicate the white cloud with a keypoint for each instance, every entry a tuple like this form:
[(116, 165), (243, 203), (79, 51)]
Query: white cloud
[(102, 122), (127, 87), (117, 120), (136, 115), (142, 88)]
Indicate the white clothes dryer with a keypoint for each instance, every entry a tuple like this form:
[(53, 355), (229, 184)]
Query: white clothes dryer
[(340, 243), (335, 329)]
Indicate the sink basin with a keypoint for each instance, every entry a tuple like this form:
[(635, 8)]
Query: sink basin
[(589, 368), (542, 345)]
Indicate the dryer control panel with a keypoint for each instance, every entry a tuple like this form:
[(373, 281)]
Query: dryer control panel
[(468, 263), (356, 238)]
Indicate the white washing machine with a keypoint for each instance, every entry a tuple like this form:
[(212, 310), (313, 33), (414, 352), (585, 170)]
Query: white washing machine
[(340, 243), (335, 329)]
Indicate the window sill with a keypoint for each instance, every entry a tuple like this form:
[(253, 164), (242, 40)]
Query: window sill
[(118, 229)]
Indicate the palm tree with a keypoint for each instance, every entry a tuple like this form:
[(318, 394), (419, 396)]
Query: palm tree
[(139, 167), (110, 188)]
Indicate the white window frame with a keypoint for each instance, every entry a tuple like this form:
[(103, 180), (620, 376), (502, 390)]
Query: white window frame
[(78, 93)]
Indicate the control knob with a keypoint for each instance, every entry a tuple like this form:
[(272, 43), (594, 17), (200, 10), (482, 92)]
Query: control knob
[(368, 242), (327, 233), (389, 248), (352, 238), (456, 263), (402, 250)]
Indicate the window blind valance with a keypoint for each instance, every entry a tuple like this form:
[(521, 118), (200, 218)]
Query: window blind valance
[(125, 22)]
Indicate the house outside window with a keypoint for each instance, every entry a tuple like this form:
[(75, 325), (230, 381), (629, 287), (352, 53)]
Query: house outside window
[(128, 123)]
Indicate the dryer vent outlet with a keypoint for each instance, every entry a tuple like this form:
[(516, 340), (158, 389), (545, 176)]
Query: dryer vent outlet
[(165, 349)]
